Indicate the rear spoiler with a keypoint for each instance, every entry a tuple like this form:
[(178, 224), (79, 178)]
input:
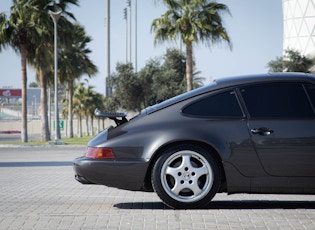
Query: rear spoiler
[(114, 116)]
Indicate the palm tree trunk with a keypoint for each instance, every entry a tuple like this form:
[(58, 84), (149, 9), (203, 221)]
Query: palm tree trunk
[(87, 125), (98, 125), (80, 126), (70, 108), (24, 137), (92, 129), (45, 132), (189, 66)]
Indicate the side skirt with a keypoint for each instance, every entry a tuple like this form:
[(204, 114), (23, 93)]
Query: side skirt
[(238, 183)]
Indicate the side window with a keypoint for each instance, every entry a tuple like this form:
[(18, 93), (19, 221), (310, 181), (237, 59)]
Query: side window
[(277, 100), (219, 105)]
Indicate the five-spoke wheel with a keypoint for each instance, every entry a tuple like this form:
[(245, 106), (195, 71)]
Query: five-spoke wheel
[(186, 176)]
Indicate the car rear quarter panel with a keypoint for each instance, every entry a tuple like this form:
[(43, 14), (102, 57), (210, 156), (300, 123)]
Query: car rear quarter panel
[(229, 138)]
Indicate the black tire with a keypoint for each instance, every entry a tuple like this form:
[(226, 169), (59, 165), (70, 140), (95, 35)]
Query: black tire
[(186, 177)]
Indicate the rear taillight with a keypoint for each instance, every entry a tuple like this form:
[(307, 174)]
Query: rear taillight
[(99, 153)]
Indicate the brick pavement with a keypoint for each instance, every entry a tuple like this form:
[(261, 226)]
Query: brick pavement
[(38, 192)]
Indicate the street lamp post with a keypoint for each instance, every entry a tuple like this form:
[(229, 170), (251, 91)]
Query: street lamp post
[(55, 16), (34, 105)]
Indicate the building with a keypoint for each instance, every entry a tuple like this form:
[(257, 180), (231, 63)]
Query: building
[(10, 98), (299, 26)]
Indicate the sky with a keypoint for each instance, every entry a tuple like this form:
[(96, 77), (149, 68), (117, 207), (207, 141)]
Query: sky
[(255, 28)]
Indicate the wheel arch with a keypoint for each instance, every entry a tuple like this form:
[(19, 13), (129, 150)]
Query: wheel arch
[(161, 149)]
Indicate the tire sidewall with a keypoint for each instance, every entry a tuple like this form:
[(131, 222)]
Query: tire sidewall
[(157, 183)]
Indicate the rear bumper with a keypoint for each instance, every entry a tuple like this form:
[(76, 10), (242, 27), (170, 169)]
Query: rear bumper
[(128, 175), (82, 180)]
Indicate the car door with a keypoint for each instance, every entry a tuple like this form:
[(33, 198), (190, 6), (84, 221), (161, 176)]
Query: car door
[(282, 127), (221, 121)]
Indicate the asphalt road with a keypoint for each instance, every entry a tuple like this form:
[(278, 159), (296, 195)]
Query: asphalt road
[(38, 191)]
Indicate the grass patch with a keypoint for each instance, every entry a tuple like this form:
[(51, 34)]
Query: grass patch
[(77, 140)]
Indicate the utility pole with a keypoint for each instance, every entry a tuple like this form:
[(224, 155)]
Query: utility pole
[(135, 32), (126, 18), (130, 48), (108, 88)]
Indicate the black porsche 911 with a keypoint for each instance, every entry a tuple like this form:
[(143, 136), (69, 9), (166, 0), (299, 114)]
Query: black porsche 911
[(248, 134)]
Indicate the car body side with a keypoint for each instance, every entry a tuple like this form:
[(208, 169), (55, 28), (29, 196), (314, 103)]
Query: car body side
[(138, 143)]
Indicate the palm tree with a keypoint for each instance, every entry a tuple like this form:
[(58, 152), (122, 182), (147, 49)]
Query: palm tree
[(18, 32), (86, 101), (79, 105), (96, 102), (89, 95), (43, 57), (75, 63), (198, 81), (41, 60), (192, 21)]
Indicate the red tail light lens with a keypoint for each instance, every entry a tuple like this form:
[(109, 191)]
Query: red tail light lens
[(99, 153)]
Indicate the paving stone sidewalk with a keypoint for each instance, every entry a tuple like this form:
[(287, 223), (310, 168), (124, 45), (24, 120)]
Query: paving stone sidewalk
[(38, 191)]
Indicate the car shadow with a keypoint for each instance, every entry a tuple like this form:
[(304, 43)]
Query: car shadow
[(241, 205)]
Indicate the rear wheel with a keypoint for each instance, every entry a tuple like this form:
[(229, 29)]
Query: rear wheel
[(186, 177)]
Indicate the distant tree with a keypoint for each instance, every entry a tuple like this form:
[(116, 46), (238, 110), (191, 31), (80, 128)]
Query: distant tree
[(79, 105), (152, 70), (90, 101), (276, 65), (108, 105), (163, 77), (171, 80), (97, 101), (292, 61), (160, 79), (128, 88), (192, 22), (33, 85)]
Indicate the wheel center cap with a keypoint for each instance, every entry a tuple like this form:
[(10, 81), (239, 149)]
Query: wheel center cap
[(186, 176)]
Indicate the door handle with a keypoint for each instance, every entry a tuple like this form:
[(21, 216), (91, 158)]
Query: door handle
[(262, 131)]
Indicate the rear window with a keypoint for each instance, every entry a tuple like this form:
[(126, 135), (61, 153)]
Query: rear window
[(219, 105), (277, 100)]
